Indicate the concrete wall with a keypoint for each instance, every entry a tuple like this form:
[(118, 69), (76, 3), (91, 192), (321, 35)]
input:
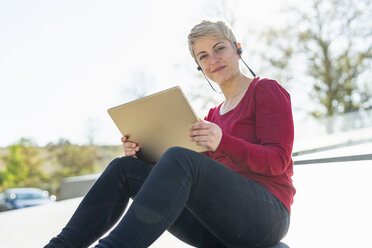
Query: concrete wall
[(73, 187)]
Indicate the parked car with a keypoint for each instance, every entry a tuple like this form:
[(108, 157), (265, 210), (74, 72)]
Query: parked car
[(24, 197)]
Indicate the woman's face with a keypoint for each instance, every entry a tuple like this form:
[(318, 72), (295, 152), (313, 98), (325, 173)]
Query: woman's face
[(218, 58)]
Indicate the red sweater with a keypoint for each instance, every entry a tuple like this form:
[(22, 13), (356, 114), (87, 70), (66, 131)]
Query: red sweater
[(257, 138)]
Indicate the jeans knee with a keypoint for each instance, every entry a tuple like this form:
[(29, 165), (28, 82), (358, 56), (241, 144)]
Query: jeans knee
[(178, 157), (176, 152), (117, 164)]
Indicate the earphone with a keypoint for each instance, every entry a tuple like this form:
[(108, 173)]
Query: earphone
[(239, 50)]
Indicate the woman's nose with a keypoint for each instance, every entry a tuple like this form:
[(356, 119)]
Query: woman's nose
[(214, 57)]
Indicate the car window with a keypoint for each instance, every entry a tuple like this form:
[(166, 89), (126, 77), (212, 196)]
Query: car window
[(29, 196)]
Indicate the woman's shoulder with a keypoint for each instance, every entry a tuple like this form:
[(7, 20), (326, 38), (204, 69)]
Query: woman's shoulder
[(267, 84), (264, 82)]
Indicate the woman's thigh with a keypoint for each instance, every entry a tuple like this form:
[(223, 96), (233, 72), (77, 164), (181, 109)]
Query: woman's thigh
[(236, 210), (191, 231)]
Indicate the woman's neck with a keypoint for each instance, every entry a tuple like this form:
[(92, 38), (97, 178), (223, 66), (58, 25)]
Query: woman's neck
[(234, 92), (235, 87)]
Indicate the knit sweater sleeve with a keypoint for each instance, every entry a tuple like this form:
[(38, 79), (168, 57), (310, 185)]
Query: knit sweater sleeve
[(271, 154)]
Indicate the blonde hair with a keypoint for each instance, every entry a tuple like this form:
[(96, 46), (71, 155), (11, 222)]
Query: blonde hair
[(205, 28)]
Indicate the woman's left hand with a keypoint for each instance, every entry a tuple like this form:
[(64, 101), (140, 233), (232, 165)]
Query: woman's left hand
[(206, 134)]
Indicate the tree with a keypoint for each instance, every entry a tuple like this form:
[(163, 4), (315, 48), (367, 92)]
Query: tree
[(73, 160), (22, 166), (222, 9), (144, 83), (333, 39)]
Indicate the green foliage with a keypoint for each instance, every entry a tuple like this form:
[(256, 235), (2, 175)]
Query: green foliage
[(22, 166), (73, 160), (26, 166), (332, 39)]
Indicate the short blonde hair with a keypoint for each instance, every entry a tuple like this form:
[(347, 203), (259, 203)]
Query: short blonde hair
[(205, 28)]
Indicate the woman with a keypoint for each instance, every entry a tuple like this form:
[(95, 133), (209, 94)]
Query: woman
[(238, 194)]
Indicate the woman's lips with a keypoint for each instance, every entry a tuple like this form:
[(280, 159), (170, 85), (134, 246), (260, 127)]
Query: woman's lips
[(219, 69)]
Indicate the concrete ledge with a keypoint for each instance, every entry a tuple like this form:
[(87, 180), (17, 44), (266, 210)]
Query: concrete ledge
[(332, 141), (35, 226)]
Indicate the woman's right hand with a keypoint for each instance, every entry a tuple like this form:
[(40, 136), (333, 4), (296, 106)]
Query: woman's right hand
[(130, 148)]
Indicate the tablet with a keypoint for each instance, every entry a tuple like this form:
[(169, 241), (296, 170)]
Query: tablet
[(157, 122)]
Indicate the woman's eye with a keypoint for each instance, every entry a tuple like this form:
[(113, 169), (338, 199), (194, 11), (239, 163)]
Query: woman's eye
[(220, 48), (202, 57)]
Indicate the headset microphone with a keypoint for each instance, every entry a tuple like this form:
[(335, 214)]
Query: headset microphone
[(239, 50), (254, 75), (200, 69)]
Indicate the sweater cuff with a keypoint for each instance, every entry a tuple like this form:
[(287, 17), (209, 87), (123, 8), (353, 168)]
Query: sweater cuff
[(226, 144)]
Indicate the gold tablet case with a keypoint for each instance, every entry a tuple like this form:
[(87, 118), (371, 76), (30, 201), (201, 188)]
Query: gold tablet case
[(157, 122)]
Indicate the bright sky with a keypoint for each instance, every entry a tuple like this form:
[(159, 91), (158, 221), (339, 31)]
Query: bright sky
[(64, 63)]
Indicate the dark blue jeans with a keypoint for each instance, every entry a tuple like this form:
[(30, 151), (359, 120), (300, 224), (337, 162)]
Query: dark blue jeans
[(197, 199)]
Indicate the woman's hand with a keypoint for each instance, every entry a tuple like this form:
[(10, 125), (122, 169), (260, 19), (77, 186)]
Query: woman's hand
[(130, 148), (206, 134)]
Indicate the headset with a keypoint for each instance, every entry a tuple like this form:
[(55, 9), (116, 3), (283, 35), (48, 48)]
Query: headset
[(239, 50)]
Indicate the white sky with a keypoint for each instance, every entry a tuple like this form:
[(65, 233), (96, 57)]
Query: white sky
[(64, 63)]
